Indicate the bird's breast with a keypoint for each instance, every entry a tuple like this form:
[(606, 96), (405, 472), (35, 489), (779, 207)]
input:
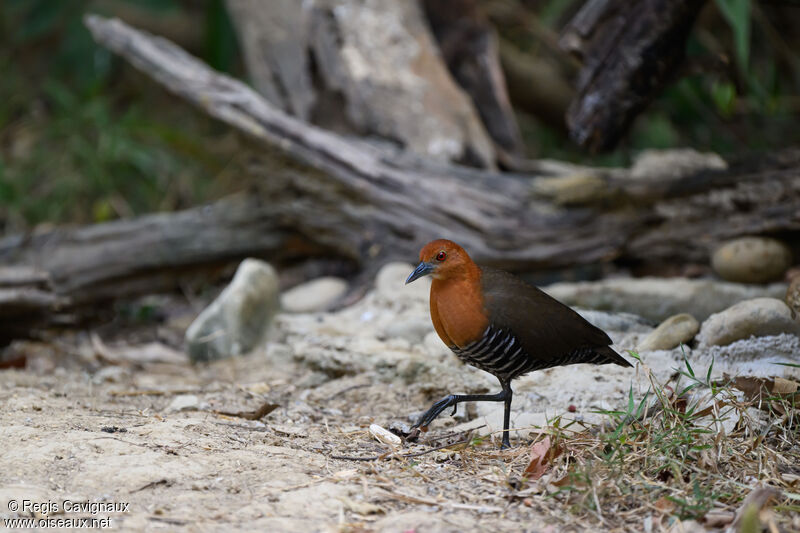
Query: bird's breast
[(458, 312)]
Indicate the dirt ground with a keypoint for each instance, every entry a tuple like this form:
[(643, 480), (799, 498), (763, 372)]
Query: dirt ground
[(279, 440), (69, 437)]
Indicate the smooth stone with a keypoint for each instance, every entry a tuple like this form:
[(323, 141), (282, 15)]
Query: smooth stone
[(391, 279), (239, 318), (674, 331), (657, 298), (751, 260), (184, 402), (315, 295), (757, 317)]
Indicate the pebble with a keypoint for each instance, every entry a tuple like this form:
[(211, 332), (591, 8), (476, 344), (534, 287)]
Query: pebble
[(671, 333), (751, 260), (184, 402), (757, 317), (315, 295)]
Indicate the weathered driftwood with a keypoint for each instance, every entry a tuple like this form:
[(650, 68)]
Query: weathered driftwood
[(470, 47), (630, 50), (364, 68), (353, 201)]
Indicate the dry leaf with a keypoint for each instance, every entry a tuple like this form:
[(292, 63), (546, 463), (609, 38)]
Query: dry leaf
[(755, 388), (784, 386), (538, 465), (256, 414), (752, 504), (665, 505)]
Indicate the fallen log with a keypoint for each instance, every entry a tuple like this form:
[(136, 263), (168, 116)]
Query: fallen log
[(365, 68), (470, 48), (629, 51), (354, 201)]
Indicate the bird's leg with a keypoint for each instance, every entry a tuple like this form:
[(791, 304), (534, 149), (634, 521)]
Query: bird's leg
[(454, 399), (506, 415)]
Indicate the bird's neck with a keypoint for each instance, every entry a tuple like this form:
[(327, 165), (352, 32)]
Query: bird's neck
[(457, 308)]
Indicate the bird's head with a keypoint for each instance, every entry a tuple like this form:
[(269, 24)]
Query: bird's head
[(442, 259)]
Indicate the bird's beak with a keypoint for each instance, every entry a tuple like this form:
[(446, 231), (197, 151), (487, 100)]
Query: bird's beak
[(423, 269)]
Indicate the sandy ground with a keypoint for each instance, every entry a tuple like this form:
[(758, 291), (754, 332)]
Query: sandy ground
[(84, 422)]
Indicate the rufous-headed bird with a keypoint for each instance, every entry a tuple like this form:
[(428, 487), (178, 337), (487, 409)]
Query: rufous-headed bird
[(496, 322)]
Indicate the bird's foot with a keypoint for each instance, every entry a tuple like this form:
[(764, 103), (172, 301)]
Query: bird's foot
[(435, 410)]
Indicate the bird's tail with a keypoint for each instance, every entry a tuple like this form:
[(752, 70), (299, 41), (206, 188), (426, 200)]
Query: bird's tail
[(611, 356)]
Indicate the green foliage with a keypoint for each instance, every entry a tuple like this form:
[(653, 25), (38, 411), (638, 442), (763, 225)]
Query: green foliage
[(82, 138), (737, 13)]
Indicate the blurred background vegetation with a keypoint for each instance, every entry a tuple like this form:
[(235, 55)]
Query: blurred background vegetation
[(84, 138)]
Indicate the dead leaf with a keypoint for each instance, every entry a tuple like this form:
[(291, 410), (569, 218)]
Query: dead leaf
[(257, 414), (754, 387), (784, 386), (665, 505), (538, 465), (747, 515)]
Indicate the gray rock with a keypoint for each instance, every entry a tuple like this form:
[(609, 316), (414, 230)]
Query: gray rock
[(674, 331), (185, 402), (240, 316), (315, 295), (752, 260), (758, 317), (657, 299)]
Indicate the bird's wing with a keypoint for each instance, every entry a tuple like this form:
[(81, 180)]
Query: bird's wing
[(546, 328)]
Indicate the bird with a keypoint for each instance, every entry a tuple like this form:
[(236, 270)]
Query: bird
[(498, 323)]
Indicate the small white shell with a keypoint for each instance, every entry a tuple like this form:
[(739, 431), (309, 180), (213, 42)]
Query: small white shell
[(384, 435)]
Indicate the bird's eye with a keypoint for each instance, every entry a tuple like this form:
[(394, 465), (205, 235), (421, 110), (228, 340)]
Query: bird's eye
[(441, 256)]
